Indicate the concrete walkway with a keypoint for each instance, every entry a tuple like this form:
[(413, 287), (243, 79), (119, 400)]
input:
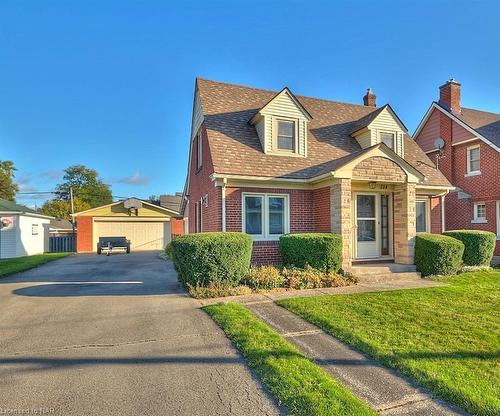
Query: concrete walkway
[(383, 389), (97, 335)]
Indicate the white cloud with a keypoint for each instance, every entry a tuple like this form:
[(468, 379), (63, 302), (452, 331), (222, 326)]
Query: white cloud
[(135, 179)]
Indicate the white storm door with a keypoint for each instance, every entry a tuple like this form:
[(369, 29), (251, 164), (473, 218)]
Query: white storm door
[(367, 244)]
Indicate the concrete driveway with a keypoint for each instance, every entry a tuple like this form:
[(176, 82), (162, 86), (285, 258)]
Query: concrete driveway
[(116, 336)]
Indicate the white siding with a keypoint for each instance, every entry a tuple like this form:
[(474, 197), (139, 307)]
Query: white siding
[(365, 139), (29, 244), (8, 239), (386, 122), (197, 115), (260, 127), (283, 106)]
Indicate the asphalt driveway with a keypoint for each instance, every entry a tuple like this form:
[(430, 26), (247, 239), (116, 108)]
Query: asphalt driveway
[(117, 336)]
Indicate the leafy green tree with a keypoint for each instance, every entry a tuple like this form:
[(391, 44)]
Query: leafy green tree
[(8, 187), (87, 186), (62, 209)]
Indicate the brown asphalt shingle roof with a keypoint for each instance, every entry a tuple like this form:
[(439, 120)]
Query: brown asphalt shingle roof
[(236, 149)]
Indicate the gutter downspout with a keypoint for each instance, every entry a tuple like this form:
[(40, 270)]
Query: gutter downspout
[(223, 189), (443, 226)]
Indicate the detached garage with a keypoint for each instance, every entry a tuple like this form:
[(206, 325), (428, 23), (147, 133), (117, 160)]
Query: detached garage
[(146, 225)]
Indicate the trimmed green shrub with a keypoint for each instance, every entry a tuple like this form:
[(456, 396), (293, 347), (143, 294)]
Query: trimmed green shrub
[(479, 246), (168, 250), (437, 254), (204, 258), (323, 251)]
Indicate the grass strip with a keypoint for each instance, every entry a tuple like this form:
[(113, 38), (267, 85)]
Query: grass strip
[(446, 338), (20, 264), (294, 380)]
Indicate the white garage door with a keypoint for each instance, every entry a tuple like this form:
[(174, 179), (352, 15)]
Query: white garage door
[(143, 235)]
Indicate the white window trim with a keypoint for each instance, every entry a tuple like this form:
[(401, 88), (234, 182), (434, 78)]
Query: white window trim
[(276, 149), (427, 215), (199, 150), (394, 138), (481, 220), (473, 172), (265, 236)]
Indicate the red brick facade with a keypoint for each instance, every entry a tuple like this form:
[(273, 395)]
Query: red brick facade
[(201, 185), (484, 188), (84, 238)]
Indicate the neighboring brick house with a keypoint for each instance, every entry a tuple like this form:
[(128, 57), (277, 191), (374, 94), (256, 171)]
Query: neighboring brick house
[(469, 158), (269, 163)]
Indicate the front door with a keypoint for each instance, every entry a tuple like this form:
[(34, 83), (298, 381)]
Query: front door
[(367, 220)]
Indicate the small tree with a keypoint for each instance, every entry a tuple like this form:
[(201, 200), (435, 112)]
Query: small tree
[(62, 209), (8, 187), (87, 186)]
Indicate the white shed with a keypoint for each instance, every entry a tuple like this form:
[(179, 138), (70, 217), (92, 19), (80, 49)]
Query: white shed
[(23, 231)]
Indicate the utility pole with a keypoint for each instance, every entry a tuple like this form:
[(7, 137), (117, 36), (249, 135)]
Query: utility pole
[(72, 208)]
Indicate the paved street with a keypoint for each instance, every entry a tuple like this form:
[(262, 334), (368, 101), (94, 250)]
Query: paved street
[(116, 336)]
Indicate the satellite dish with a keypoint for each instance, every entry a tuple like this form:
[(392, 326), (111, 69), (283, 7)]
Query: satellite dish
[(439, 143)]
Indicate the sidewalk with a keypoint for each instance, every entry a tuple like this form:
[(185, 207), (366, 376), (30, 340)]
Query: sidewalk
[(271, 296)]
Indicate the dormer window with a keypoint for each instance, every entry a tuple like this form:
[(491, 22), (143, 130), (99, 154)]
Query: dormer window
[(285, 139), (387, 139)]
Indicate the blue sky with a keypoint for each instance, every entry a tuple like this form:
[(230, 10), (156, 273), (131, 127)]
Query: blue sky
[(109, 84)]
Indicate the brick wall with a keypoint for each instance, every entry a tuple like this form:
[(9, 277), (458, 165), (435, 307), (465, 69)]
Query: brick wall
[(200, 185), (482, 188), (321, 210), (176, 226), (301, 218), (379, 168), (84, 234), (436, 216)]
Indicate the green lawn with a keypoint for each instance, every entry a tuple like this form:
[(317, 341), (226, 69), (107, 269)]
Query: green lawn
[(446, 338), (20, 264), (295, 381)]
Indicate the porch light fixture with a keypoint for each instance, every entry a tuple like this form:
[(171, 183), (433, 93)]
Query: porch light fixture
[(372, 185)]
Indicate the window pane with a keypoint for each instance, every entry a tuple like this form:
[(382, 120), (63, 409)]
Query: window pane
[(276, 215), (388, 139), (421, 217), (474, 159), (286, 128), (253, 215), (366, 230), (481, 211), (286, 143), (286, 135), (366, 206)]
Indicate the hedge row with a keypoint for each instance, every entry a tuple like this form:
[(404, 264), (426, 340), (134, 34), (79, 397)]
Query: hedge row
[(224, 257), (437, 254), (479, 246), (205, 258), (323, 251)]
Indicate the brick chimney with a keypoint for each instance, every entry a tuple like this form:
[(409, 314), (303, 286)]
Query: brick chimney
[(370, 99), (449, 96)]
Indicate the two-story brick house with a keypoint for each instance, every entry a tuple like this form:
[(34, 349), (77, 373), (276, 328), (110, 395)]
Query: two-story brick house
[(269, 163), (469, 157)]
